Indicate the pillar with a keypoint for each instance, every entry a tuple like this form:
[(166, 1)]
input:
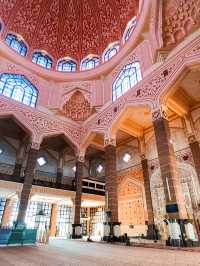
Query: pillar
[(151, 232), (53, 221), (60, 169), (89, 231), (76, 226), (175, 206), (28, 179), (19, 160), (111, 187), (193, 143), (195, 150)]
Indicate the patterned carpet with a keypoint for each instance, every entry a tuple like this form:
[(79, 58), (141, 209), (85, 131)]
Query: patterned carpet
[(75, 253)]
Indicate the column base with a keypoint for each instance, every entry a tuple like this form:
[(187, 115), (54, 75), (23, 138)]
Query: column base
[(152, 232), (106, 231), (76, 231), (112, 232), (19, 225), (175, 238)]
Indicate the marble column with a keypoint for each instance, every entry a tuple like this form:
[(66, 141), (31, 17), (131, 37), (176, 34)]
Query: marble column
[(175, 205), (193, 143), (19, 160), (111, 187), (54, 211), (151, 233), (27, 185), (60, 169), (151, 230), (76, 226), (195, 150)]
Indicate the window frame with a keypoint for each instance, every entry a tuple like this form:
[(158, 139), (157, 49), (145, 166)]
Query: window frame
[(39, 55), (126, 79), (129, 29), (106, 55), (74, 65), (11, 84), (19, 46), (87, 60), (1, 26)]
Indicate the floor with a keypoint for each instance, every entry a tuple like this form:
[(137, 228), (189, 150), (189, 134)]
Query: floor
[(75, 253)]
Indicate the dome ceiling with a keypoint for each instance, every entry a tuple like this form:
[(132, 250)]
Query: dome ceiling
[(72, 28)]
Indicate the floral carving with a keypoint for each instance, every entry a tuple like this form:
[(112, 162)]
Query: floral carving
[(77, 107), (68, 28), (180, 18), (38, 123)]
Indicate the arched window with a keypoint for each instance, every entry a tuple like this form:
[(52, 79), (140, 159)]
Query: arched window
[(129, 29), (67, 65), (110, 52), (90, 62), (19, 88), (42, 59), (16, 44), (129, 76)]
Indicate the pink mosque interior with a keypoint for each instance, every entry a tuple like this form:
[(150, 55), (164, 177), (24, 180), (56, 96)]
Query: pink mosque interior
[(100, 118)]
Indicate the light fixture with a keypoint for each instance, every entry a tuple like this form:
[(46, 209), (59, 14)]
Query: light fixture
[(99, 168), (74, 168), (41, 161), (1, 151), (126, 157)]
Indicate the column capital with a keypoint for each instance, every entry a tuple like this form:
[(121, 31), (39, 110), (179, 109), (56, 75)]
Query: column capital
[(159, 113), (80, 156), (143, 157), (109, 139), (191, 139), (189, 129), (35, 145), (142, 149)]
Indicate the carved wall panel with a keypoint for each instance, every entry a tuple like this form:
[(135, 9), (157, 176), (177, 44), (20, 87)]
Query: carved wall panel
[(78, 107), (190, 188), (85, 26), (181, 17), (131, 198)]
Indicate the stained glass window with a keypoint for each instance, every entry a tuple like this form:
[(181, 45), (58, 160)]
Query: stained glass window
[(67, 65), (42, 59), (16, 44), (19, 88), (110, 52), (89, 63), (128, 77), (129, 29)]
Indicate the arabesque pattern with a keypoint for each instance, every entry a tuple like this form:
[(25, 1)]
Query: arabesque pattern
[(68, 27), (181, 17)]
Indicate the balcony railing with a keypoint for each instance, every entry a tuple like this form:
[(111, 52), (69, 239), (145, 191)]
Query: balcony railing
[(93, 185), (6, 168)]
